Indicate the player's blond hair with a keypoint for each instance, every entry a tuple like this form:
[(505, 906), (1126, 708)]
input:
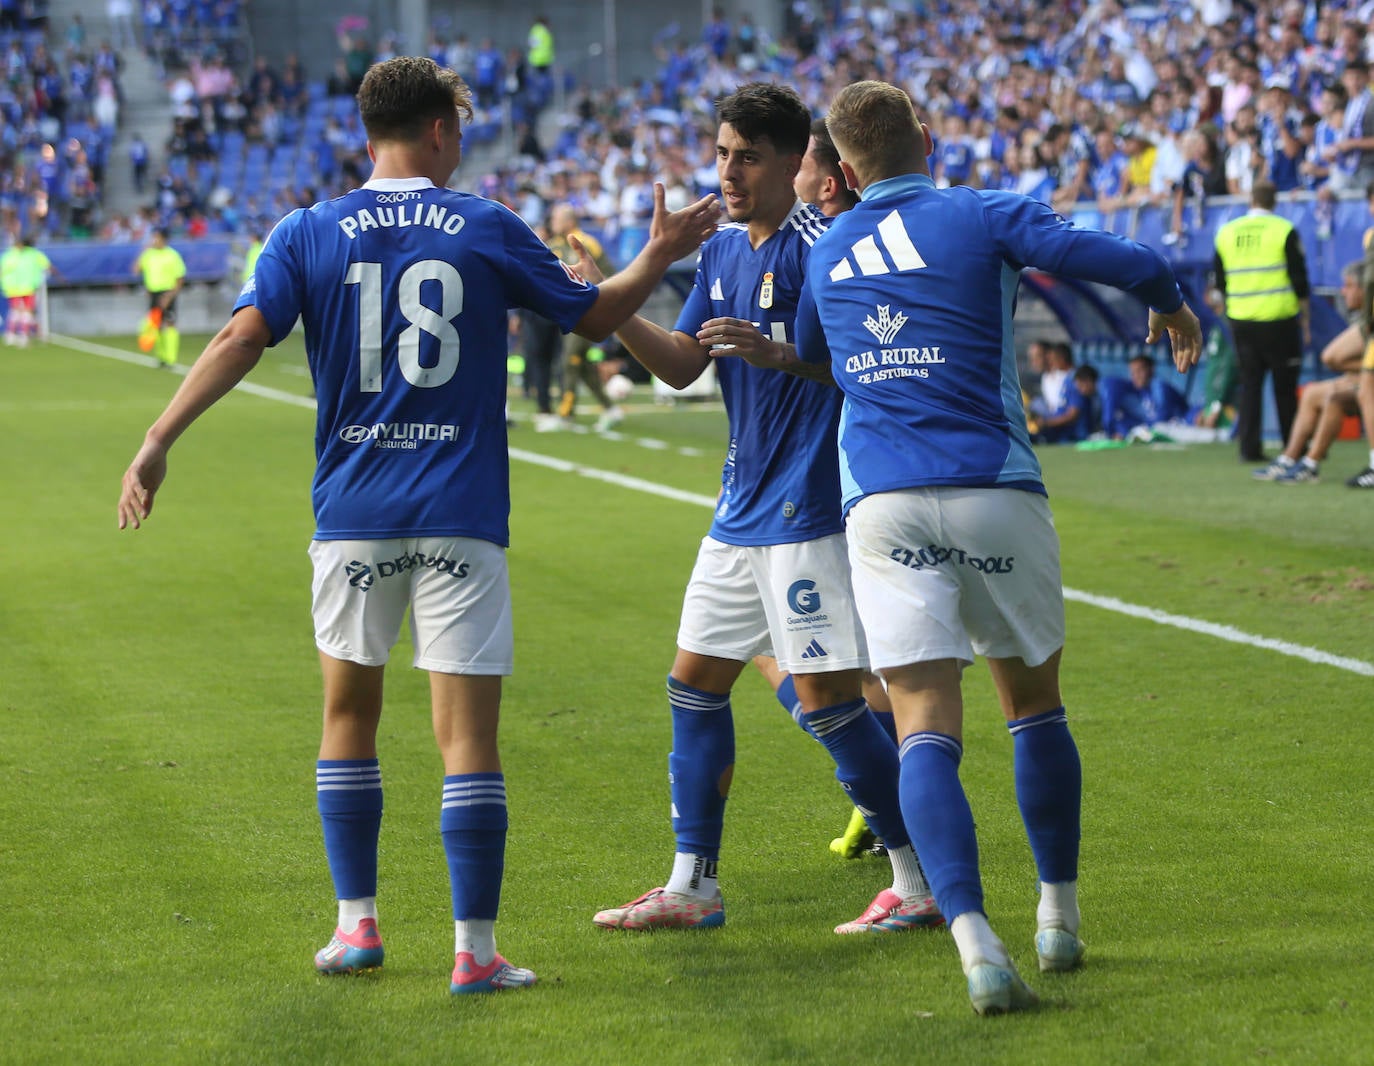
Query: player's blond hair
[(875, 129)]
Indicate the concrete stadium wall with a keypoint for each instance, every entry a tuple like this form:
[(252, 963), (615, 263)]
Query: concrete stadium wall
[(108, 312)]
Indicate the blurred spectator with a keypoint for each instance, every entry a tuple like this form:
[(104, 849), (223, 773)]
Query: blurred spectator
[(357, 53), (1203, 175), (1321, 157), (76, 33), (138, 160), (1244, 162), (121, 16), (1138, 176), (459, 56), (340, 82), (488, 74), (716, 33), (1354, 152), (1080, 413), (1139, 401), (539, 46)]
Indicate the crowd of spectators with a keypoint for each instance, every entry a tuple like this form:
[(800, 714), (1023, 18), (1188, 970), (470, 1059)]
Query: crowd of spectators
[(61, 98), (1091, 107), (59, 108)]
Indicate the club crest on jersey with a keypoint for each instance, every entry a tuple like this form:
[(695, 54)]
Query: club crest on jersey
[(887, 325), (766, 291)]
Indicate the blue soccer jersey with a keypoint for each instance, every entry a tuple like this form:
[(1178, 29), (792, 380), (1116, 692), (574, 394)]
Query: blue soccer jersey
[(780, 483), (403, 290), (910, 296)]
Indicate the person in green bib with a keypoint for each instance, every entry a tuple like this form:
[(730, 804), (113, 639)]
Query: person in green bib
[(250, 256), (539, 45), (1260, 269), (23, 270), (164, 273)]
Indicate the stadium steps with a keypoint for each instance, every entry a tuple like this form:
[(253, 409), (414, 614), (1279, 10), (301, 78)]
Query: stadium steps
[(148, 111), (145, 108)]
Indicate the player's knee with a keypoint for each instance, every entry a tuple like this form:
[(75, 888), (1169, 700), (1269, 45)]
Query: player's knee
[(818, 691)]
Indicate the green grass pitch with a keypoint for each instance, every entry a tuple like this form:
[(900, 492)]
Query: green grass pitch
[(164, 882)]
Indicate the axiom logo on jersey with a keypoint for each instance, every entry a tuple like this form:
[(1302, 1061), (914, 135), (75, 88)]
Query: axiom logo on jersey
[(362, 576), (404, 435), (867, 252)]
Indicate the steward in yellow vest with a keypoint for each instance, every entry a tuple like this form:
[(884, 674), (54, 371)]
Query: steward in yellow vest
[(1260, 269)]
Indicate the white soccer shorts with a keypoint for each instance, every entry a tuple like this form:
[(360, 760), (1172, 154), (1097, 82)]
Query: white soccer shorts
[(456, 589), (792, 601), (944, 573)]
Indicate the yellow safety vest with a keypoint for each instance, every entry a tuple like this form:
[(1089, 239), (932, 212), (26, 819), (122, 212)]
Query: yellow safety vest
[(540, 45), (1251, 249)]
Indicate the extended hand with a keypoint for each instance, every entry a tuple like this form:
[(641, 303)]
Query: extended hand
[(141, 482), (683, 232), (1185, 335), (585, 266)]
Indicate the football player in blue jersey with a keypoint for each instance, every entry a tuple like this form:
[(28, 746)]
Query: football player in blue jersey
[(771, 576), (403, 287), (820, 182), (909, 299)]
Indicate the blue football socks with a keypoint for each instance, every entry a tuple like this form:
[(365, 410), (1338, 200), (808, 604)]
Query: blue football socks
[(940, 822), (349, 795), (866, 764), (473, 824), (699, 767), (792, 704), (1049, 791)]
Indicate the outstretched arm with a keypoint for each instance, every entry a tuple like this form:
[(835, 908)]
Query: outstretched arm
[(234, 351), (672, 235)]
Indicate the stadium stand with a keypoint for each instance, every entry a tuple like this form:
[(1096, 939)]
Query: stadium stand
[(1087, 105)]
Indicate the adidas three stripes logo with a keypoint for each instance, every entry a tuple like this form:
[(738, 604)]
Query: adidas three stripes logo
[(867, 253)]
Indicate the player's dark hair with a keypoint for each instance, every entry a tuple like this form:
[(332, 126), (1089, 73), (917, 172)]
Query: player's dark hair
[(402, 96), (828, 158), (763, 111)]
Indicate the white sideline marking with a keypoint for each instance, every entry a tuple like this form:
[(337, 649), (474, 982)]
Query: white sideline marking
[(104, 350), (612, 478), (1211, 629), (1106, 603)]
